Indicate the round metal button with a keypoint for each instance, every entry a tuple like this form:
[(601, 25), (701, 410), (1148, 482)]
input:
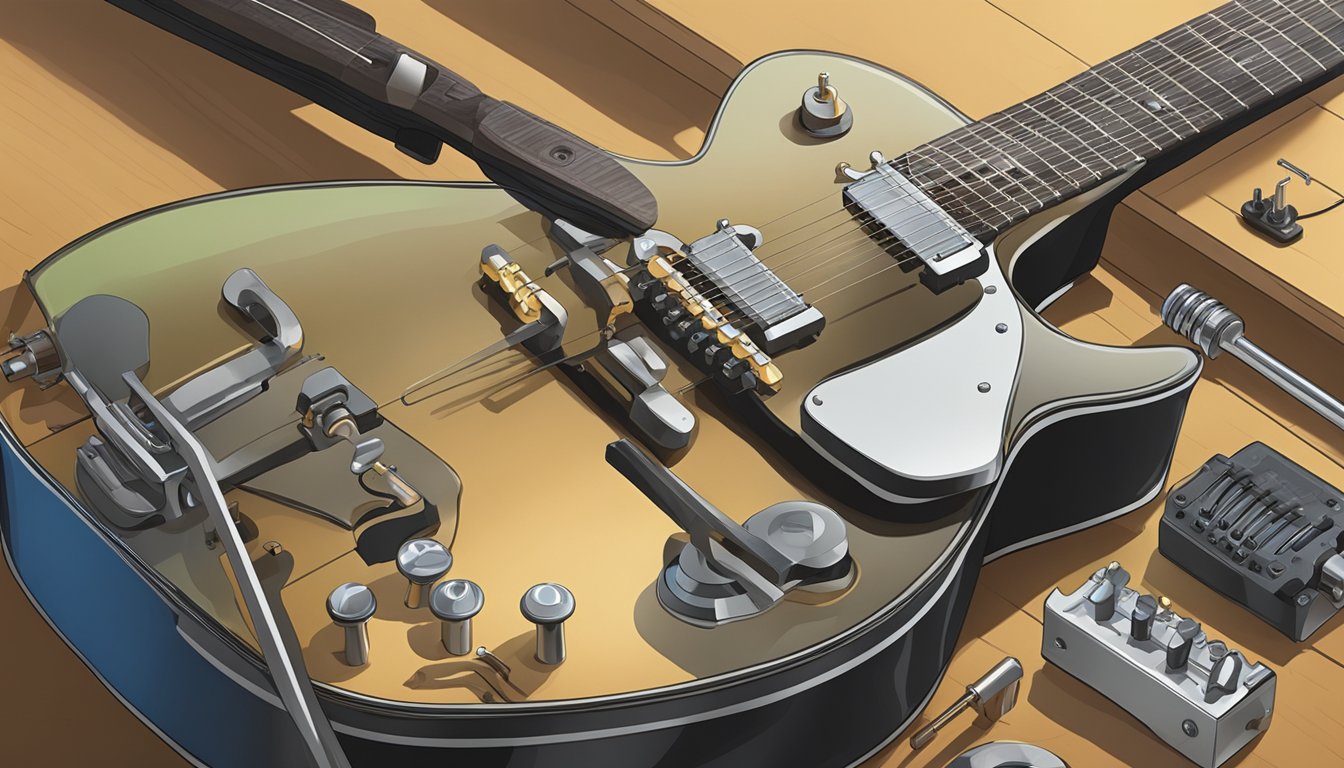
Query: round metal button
[(547, 604), (456, 600), (351, 603), (423, 561)]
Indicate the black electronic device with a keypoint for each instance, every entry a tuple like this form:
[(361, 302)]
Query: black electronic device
[(1263, 531)]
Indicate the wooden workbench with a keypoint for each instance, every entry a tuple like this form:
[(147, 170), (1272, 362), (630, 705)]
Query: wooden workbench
[(105, 116)]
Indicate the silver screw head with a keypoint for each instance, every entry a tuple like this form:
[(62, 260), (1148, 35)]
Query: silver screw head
[(1001, 328), (423, 561), (816, 400), (351, 603), (983, 386), (547, 604)]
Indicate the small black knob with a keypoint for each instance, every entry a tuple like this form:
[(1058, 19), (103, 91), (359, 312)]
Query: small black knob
[(1141, 620), (1179, 644), (1103, 601)]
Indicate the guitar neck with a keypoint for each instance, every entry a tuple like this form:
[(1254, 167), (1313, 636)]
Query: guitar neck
[(1135, 107)]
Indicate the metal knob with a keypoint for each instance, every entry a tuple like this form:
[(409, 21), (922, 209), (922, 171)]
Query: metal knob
[(350, 606), (823, 113), (1179, 643), (454, 602), (548, 606), (1103, 601), (422, 562)]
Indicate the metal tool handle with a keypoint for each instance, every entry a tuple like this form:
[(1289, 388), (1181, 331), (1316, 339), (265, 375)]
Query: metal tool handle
[(702, 520), (993, 695), (1215, 328)]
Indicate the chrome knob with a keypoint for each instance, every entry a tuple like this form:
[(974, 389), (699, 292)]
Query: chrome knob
[(350, 607), (422, 562), (454, 602), (548, 606)]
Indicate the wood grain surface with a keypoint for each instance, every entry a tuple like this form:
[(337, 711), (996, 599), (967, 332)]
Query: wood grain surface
[(104, 116)]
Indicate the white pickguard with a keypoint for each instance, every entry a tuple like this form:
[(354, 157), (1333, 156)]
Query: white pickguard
[(933, 414)]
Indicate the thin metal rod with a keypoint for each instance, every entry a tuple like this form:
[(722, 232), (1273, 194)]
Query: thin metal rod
[(283, 661), (1287, 379)]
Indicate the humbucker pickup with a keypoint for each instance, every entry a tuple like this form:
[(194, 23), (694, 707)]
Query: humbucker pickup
[(910, 224), (726, 261)]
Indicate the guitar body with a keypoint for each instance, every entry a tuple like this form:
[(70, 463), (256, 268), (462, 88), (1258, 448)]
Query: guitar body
[(993, 430)]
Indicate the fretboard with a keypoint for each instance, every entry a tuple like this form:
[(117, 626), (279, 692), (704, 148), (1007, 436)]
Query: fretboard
[(1131, 108)]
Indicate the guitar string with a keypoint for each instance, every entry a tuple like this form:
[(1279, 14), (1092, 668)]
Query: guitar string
[(978, 163), (1209, 47), (1200, 49)]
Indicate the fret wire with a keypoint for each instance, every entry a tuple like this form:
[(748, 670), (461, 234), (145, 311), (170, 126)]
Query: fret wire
[(1023, 135), (1023, 181), (1195, 68), (1082, 145), (1106, 106), (1176, 52), (1216, 16), (1173, 70), (1330, 6), (1007, 113), (1234, 45), (1232, 58), (1141, 116), (1054, 193), (987, 162), (950, 195), (1018, 161), (968, 186), (999, 152), (1038, 175), (1212, 50), (1104, 134), (1150, 93), (1304, 62), (1267, 61), (1196, 102), (1279, 7), (1320, 35)]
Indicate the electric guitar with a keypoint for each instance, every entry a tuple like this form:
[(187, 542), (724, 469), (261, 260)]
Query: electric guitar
[(762, 414)]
